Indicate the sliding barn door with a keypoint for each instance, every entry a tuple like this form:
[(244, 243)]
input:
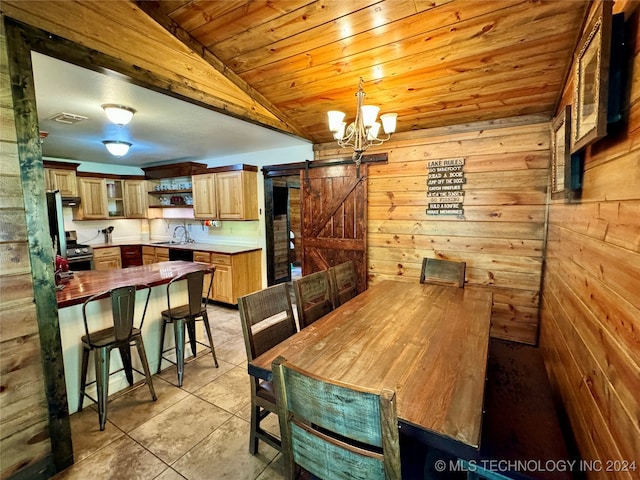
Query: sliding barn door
[(334, 219)]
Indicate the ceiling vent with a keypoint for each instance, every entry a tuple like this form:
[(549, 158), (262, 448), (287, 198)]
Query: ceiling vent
[(67, 118)]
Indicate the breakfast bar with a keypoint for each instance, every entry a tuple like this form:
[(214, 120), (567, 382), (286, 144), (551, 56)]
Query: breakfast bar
[(83, 285)]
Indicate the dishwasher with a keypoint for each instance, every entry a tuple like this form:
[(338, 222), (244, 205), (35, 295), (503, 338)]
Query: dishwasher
[(179, 254)]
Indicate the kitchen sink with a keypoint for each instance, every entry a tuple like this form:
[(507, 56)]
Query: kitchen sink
[(168, 242)]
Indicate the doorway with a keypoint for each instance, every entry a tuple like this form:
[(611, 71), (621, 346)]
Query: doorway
[(283, 228)]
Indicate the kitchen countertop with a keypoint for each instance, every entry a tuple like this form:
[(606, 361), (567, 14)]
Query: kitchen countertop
[(199, 247), (84, 284)]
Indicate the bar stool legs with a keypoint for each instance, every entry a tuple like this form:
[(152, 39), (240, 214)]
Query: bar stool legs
[(102, 359), (180, 344)]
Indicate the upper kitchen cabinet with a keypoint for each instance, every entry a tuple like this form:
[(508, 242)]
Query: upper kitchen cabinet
[(93, 199), (237, 195), (226, 193), (61, 176), (204, 196), (111, 197), (135, 198)]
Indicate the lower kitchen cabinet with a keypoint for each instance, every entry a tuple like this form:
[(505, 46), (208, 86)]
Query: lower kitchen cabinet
[(235, 274), (107, 258), (131, 255), (148, 255)]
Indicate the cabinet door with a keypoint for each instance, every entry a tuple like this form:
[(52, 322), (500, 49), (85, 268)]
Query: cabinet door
[(135, 199), (63, 180), (204, 257), (93, 199), (237, 195), (222, 284), (204, 196), (112, 262), (230, 198)]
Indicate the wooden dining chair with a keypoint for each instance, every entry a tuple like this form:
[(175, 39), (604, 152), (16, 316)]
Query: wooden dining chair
[(313, 297), (443, 272), (121, 335), (185, 316), (267, 319), (321, 419), (342, 279)]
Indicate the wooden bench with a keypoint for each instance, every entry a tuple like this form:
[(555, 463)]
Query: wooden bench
[(520, 422)]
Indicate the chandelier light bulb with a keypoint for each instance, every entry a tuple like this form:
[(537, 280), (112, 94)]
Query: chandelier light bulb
[(117, 148), (369, 114), (335, 120), (389, 122), (118, 114)]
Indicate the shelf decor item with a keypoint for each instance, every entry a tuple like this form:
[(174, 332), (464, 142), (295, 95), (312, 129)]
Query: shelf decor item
[(591, 80)]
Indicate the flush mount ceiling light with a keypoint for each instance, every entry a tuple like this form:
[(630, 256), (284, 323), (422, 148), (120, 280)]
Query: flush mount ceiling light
[(117, 148), (118, 114), (362, 133)]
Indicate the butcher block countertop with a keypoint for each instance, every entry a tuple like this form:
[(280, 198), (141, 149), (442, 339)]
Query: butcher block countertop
[(198, 247), (84, 284)]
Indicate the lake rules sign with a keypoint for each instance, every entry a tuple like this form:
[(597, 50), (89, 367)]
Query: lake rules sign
[(445, 187)]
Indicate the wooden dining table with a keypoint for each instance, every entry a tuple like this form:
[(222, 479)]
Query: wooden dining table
[(427, 342)]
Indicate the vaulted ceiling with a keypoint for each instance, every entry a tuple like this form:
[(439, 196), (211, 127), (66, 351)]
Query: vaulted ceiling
[(434, 62)]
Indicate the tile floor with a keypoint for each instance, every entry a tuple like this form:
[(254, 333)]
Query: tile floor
[(197, 432)]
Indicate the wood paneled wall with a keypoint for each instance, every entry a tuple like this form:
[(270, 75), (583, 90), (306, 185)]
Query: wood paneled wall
[(501, 233), (590, 325), (24, 434)]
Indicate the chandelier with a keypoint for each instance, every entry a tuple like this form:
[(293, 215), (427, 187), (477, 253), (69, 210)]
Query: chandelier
[(363, 132)]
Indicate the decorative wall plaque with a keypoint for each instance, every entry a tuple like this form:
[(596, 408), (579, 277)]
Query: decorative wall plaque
[(445, 187)]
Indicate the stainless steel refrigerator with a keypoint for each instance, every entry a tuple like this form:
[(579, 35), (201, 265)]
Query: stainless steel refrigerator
[(56, 223)]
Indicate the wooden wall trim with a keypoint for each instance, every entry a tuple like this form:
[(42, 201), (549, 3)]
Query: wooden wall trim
[(41, 255)]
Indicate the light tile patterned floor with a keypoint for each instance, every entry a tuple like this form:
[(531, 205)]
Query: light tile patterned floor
[(197, 432)]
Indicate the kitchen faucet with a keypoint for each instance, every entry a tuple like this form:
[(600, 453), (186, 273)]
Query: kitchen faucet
[(186, 238)]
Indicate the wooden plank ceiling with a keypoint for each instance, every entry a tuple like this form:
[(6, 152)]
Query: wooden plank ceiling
[(434, 62)]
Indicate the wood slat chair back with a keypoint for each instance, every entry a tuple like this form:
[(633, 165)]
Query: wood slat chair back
[(443, 272), (313, 297), (267, 319), (319, 420), (343, 282)]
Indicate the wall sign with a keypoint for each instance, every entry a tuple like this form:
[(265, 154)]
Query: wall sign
[(445, 187)]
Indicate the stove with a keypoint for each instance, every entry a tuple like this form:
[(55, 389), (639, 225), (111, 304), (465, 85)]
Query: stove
[(79, 256)]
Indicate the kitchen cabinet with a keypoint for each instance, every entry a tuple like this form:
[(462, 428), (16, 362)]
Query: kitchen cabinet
[(93, 199), (226, 195), (135, 198), (131, 255), (148, 255), (107, 258), (237, 195), (204, 196), (162, 254), (115, 198), (63, 180), (204, 257), (235, 275)]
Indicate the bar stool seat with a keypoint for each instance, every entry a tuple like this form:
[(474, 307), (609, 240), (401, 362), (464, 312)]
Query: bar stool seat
[(185, 316), (122, 335)]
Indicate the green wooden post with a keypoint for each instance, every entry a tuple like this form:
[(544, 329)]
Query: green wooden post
[(41, 255)]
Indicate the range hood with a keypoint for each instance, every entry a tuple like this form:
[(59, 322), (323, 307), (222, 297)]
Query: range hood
[(70, 201)]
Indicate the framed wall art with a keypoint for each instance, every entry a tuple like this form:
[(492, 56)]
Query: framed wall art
[(561, 153), (592, 80)]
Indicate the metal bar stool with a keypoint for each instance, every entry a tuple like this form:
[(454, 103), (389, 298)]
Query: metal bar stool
[(187, 315), (122, 335)]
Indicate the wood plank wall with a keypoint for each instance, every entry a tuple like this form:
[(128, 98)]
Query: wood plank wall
[(24, 433), (590, 324), (501, 233)]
